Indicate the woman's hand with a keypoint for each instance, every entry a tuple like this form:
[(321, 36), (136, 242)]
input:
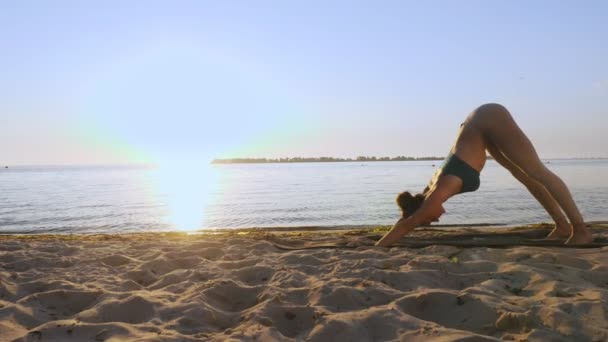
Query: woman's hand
[(400, 228)]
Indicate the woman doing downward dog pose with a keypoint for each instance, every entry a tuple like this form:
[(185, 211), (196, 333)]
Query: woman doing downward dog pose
[(491, 128)]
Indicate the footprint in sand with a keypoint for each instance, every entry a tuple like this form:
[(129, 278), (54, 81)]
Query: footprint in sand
[(451, 310), (229, 296), (59, 304), (134, 309), (116, 260)]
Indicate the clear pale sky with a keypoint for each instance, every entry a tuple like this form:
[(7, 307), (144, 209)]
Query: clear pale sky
[(100, 82)]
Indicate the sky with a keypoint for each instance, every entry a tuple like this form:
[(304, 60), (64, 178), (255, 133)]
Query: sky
[(115, 82)]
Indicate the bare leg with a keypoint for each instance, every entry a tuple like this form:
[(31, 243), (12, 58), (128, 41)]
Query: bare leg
[(501, 130), (562, 226)]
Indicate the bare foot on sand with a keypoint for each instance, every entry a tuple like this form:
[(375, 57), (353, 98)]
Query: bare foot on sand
[(580, 236), (560, 232)]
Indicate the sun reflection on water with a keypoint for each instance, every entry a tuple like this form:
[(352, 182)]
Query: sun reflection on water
[(187, 190)]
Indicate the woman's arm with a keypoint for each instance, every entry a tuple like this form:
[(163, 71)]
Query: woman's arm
[(401, 228), (429, 211)]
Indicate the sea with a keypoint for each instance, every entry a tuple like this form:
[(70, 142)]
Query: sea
[(124, 199)]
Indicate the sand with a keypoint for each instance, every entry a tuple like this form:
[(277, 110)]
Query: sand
[(241, 287)]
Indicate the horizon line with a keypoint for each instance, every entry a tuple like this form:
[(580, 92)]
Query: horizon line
[(4, 166)]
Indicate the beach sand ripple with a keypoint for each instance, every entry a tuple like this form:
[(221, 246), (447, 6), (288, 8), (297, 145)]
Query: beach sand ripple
[(245, 286)]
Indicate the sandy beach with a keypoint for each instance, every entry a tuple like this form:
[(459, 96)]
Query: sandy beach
[(296, 286)]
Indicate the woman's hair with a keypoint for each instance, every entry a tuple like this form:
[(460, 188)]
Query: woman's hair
[(408, 203)]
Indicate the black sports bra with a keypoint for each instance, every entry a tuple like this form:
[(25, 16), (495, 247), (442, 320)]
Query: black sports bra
[(459, 168)]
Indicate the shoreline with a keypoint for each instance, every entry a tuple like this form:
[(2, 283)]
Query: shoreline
[(262, 229), (337, 229)]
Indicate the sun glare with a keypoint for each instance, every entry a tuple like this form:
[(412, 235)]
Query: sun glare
[(187, 189)]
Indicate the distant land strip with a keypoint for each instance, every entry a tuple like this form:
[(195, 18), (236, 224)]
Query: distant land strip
[(318, 160)]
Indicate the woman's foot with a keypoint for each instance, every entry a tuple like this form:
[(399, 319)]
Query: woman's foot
[(560, 232), (580, 235)]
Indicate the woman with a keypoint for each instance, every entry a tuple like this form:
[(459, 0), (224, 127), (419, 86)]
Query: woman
[(491, 127)]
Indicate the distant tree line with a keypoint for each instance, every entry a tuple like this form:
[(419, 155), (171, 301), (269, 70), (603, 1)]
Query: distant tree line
[(318, 160)]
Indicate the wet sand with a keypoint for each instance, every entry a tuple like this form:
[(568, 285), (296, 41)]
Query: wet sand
[(299, 285)]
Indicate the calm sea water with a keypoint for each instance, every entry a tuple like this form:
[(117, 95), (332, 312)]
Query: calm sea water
[(128, 199)]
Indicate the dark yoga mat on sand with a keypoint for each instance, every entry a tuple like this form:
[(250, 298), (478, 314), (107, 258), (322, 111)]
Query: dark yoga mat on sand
[(531, 237)]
